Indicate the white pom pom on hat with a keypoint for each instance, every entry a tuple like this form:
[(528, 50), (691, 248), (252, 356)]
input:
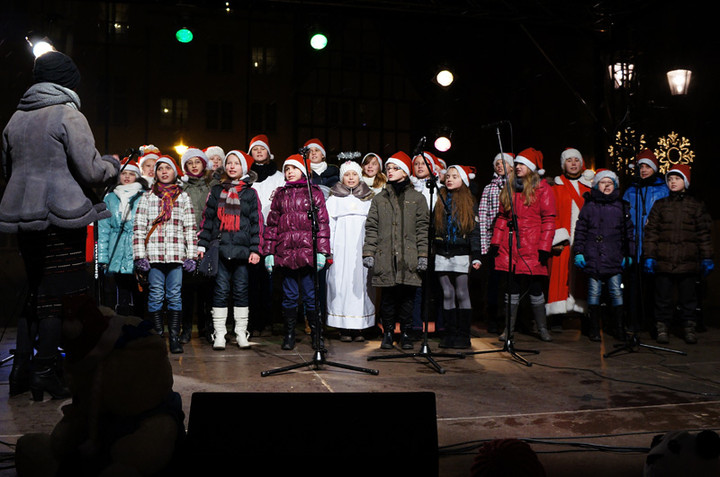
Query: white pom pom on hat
[(467, 173), (532, 158)]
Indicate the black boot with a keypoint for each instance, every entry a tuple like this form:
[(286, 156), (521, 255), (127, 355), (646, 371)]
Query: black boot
[(388, 329), (174, 319), (594, 323), (186, 333), (406, 338), (619, 322), (462, 337), (19, 379), (156, 318), (450, 319), (290, 318), (45, 378), (316, 331)]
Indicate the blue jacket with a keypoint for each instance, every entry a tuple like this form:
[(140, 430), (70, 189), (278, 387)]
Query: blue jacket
[(115, 235), (645, 194)]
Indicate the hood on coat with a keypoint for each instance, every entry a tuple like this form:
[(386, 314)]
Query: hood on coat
[(41, 95)]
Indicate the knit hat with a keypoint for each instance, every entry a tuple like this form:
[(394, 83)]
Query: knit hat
[(466, 173), (193, 152), (246, 161), (315, 142), (297, 161), (401, 160), (646, 156), (509, 158), (601, 174), (56, 67), (432, 159), (145, 157), (532, 158), (130, 166), (682, 170), (350, 166), (171, 162), (211, 151), (262, 140), (567, 154), (371, 155)]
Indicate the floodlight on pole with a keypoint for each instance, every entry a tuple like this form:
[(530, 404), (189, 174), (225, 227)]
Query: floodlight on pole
[(39, 47)]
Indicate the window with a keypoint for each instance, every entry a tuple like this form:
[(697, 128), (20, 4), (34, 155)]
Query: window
[(263, 60), (218, 115), (173, 112)]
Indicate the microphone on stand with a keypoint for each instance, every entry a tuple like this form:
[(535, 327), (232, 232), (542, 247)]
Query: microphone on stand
[(420, 146), (495, 124)]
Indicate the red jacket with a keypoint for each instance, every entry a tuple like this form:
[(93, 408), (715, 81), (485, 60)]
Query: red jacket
[(536, 228)]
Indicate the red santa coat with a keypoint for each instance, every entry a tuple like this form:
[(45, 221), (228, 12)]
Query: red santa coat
[(566, 288)]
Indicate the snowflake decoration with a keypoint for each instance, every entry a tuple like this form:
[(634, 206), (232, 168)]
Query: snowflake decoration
[(622, 153), (673, 150)]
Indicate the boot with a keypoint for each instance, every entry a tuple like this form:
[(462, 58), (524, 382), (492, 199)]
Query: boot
[(462, 336), (690, 336), (219, 318), (186, 333), (388, 328), (594, 323), (537, 304), (619, 322), (241, 324), (174, 320), (662, 333), (290, 319), (156, 317), (45, 377), (450, 319), (317, 339), (514, 303), (19, 379), (406, 338)]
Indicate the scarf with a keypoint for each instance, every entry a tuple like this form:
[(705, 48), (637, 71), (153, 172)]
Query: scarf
[(400, 185), (168, 193), (125, 192), (361, 191), (229, 206), (319, 167), (264, 171)]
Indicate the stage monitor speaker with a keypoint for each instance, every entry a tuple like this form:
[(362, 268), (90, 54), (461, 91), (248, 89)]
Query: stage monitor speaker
[(347, 434)]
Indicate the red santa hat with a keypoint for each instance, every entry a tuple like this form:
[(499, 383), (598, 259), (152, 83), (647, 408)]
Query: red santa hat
[(509, 158), (297, 161), (315, 142), (193, 152), (442, 165), (246, 161), (130, 166), (148, 148), (401, 160), (567, 154), (467, 173), (171, 162), (533, 159), (262, 140), (145, 157), (432, 159), (682, 170), (601, 174), (646, 156), (370, 155)]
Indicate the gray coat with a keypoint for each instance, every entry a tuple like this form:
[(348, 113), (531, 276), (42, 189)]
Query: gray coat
[(50, 162), (396, 234)]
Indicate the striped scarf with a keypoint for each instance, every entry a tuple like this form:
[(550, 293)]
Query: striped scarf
[(167, 193), (229, 207)]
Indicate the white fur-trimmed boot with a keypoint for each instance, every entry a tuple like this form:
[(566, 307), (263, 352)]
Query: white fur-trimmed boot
[(241, 324), (219, 317)]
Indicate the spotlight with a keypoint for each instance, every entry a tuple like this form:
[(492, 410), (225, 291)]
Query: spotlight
[(318, 41), (39, 46), (444, 78), (181, 148), (442, 142)]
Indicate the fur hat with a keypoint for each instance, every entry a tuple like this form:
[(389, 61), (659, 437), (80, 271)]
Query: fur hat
[(211, 151), (297, 161), (401, 160), (532, 158), (646, 156), (56, 67), (567, 154), (246, 161), (350, 166), (261, 140), (601, 174), (315, 142), (467, 173), (682, 170)]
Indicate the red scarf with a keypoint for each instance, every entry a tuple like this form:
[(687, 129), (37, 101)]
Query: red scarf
[(229, 207), (168, 193)]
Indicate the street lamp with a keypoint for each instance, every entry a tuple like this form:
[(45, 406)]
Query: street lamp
[(679, 81), (622, 74)]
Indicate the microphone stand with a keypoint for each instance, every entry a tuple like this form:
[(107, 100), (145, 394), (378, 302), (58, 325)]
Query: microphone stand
[(633, 344), (319, 350), (513, 232), (425, 351)]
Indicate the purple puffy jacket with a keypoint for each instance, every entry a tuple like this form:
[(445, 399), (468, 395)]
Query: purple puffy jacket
[(288, 231)]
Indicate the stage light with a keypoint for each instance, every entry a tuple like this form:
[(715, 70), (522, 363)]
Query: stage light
[(444, 78), (679, 81), (184, 35), (443, 143), (39, 46), (180, 148), (318, 41)]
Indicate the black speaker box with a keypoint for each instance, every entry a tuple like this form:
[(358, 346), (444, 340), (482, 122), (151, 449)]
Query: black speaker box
[(346, 434)]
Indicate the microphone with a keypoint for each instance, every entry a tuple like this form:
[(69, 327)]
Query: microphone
[(420, 146), (303, 150), (495, 124)]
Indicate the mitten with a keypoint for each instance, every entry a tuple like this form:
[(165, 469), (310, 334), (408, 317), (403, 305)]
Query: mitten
[(580, 260), (707, 266), (368, 262), (543, 256), (189, 265), (626, 263), (320, 261), (269, 263), (649, 265), (142, 264)]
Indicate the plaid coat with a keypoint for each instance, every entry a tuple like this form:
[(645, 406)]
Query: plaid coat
[(173, 241)]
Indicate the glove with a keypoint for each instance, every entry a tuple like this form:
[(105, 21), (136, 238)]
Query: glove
[(649, 265), (707, 266), (422, 264), (368, 262), (580, 260), (320, 261), (543, 257), (142, 265), (189, 265), (626, 263), (269, 263), (494, 251)]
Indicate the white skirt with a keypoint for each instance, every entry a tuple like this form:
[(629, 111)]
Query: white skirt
[(457, 264)]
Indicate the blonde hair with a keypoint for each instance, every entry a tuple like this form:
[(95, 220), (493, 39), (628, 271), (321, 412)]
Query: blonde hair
[(380, 178), (530, 182)]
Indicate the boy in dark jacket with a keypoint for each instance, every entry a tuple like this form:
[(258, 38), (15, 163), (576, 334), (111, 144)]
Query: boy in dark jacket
[(676, 248), (603, 247)]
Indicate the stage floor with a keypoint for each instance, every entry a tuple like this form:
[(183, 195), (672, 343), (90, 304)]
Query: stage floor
[(570, 394)]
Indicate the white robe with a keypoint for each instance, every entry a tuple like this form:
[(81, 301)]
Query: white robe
[(349, 303), (265, 190)]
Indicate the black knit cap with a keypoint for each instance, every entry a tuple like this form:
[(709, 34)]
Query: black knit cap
[(58, 68)]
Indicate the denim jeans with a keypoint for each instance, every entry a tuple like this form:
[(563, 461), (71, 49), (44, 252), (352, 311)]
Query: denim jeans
[(614, 287), (232, 277), (296, 282), (165, 283)]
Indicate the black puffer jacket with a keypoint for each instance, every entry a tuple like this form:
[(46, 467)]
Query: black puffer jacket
[(678, 234)]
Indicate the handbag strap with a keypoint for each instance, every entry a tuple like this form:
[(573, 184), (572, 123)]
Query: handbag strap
[(152, 229)]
